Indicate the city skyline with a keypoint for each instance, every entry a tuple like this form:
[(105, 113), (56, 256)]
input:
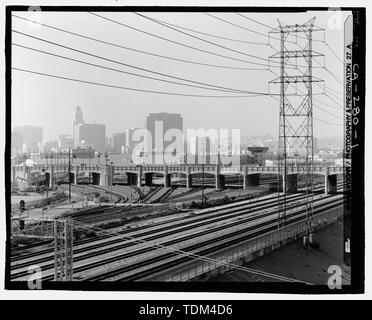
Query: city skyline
[(120, 141), (115, 108), (194, 145)]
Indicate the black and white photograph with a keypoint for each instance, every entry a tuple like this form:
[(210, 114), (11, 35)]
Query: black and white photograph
[(184, 149)]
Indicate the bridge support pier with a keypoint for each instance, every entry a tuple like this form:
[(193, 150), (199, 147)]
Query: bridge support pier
[(48, 179), (188, 177), (110, 175), (330, 184), (139, 180), (291, 183), (148, 179), (138, 176), (107, 177), (96, 177), (132, 179), (188, 181), (251, 180), (72, 177), (129, 178), (220, 181), (167, 180), (13, 176), (76, 176), (103, 179)]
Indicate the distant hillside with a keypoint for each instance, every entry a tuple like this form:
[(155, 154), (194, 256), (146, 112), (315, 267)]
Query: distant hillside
[(272, 142), (335, 142)]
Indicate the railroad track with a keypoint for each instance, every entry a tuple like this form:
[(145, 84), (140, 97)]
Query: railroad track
[(165, 195), (157, 194), (181, 195), (213, 245), (154, 234), (112, 213), (213, 212), (148, 196), (102, 209), (86, 215)]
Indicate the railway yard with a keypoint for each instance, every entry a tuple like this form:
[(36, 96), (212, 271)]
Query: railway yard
[(143, 233)]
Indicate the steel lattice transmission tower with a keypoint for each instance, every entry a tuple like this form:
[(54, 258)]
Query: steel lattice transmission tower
[(295, 149), (63, 249), (59, 229)]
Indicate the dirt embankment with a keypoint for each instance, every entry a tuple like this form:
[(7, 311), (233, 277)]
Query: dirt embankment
[(295, 262)]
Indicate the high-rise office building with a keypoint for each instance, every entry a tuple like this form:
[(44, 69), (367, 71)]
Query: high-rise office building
[(65, 141), (129, 143), (90, 135), (161, 122), (119, 143), (78, 116), (315, 145), (32, 137), (49, 146), (202, 148), (17, 142), (78, 120)]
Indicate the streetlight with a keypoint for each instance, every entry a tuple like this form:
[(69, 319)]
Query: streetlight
[(51, 166), (69, 172), (112, 178), (42, 204), (89, 169), (203, 199), (42, 195), (46, 166), (107, 159)]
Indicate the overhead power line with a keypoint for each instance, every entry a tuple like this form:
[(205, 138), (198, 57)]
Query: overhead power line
[(137, 50), (334, 76), (160, 22), (139, 68), (316, 106), (335, 91), (326, 111), (270, 27), (334, 95), (334, 53), (330, 98), (126, 88), (120, 71), (212, 35), (328, 122), (314, 99), (258, 22), (241, 27), (322, 41), (173, 41), (338, 105), (324, 67)]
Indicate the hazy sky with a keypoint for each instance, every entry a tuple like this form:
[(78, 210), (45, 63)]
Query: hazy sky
[(49, 102)]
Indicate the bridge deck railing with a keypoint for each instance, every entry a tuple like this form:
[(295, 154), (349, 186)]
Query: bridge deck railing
[(182, 168)]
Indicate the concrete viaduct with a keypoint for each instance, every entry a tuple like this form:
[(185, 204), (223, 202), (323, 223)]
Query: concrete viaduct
[(143, 174)]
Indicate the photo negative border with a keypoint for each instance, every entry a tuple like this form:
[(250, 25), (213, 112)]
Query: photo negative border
[(354, 228)]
